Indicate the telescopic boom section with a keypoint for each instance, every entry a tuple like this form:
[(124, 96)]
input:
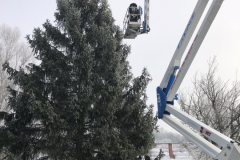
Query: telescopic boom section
[(170, 75), (211, 14), (146, 28), (199, 141), (188, 32), (231, 149), (202, 128)]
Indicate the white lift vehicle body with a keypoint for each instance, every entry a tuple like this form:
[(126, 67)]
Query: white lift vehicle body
[(171, 82)]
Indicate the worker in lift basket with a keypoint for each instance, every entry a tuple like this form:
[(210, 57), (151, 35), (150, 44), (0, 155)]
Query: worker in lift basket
[(134, 12)]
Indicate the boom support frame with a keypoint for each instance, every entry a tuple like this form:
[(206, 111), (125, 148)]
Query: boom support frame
[(166, 92)]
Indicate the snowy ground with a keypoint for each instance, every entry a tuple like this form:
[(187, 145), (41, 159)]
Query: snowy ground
[(179, 151)]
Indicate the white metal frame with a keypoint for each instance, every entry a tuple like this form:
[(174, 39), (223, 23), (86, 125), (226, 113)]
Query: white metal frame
[(132, 29), (146, 28), (202, 143), (231, 149), (192, 23), (211, 14), (202, 128)]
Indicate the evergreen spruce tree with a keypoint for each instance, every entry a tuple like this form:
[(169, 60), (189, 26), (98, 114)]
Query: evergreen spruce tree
[(81, 102)]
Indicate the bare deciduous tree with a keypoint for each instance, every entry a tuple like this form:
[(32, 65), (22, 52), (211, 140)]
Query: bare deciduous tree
[(214, 102), (14, 51)]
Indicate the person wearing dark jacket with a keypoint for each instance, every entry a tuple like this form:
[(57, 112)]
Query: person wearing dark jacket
[(147, 157), (134, 11)]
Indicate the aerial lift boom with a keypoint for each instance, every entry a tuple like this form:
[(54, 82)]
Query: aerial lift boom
[(166, 92)]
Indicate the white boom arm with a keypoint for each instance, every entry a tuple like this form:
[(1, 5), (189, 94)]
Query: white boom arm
[(211, 14), (231, 149), (230, 152), (202, 143), (170, 84), (146, 28), (176, 59), (202, 128)]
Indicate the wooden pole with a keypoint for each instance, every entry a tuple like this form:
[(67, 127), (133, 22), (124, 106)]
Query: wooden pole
[(170, 150)]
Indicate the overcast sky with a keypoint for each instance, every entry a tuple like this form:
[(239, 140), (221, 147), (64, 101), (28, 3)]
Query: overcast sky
[(168, 19)]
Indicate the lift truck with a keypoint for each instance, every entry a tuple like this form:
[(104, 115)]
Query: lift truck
[(174, 75)]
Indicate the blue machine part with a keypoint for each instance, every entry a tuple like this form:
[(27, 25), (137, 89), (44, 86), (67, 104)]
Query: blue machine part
[(161, 101), (144, 27), (175, 98), (162, 96), (176, 68), (171, 80), (141, 12)]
